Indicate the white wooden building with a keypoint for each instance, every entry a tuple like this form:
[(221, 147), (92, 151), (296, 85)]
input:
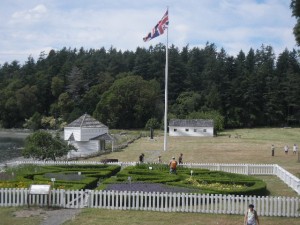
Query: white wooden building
[(191, 127), (88, 135)]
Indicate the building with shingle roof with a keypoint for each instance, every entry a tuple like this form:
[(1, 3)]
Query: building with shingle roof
[(191, 127), (88, 135)]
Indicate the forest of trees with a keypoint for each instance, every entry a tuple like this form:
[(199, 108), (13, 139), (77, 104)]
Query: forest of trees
[(125, 89)]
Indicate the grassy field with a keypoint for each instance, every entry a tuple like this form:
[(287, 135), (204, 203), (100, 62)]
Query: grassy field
[(254, 146), (116, 217), (11, 216)]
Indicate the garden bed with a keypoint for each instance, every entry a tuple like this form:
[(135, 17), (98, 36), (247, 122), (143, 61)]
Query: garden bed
[(156, 177), (147, 187), (66, 177)]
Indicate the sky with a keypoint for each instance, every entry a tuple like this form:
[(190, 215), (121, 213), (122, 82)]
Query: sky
[(30, 27)]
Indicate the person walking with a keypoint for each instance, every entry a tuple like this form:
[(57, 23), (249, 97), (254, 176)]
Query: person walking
[(273, 150), (286, 149), (141, 158), (159, 159), (251, 217), (295, 149), (173, 165), (180, 159)]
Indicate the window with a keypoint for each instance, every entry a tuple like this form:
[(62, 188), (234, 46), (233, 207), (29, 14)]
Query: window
[(175, 130), (204, 130), (186, 129), (195, 130)]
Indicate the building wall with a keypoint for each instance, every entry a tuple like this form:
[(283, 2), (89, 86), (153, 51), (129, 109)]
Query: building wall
[(84, 133), (85, 148), (76, 132), (88, 133), (191, 131)]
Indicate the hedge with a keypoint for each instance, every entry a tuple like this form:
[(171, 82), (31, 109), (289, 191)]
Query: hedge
[(32, 174), (212, 182)]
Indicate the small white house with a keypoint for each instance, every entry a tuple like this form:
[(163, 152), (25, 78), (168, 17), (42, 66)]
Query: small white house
[(191, 127), (87, 134)]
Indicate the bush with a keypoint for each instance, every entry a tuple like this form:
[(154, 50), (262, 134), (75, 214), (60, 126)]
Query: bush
[(152, 123)]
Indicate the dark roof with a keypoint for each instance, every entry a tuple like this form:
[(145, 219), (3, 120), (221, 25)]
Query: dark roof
[(71, 138), (105, 137), (86, 121), (191, 123)]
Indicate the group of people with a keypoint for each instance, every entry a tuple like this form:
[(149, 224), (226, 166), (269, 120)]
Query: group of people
[(172, 164), (285, 149)]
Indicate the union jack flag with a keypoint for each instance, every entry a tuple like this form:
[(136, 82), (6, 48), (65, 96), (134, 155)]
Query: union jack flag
[(159, 28)]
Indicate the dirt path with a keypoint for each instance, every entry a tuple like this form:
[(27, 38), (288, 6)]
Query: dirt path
[(50, 216)]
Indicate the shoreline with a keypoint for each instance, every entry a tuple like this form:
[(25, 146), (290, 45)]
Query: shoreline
[(16, 133), (11, 162)]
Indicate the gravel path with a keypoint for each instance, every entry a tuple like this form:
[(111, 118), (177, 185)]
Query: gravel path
[(59, 216), (50, 216), (148, 187)]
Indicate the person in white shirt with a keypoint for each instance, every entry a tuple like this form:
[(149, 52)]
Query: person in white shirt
[(251, 217), (295, 149), (286, 149)]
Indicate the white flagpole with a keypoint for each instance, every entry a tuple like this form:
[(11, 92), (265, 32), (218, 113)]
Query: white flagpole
[(166, 92)]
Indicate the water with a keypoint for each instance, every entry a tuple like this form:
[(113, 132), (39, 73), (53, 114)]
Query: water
[(11, 144), (10, 148)]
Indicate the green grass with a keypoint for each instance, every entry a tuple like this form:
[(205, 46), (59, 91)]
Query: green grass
[(117, 217), (277, 187), (254, 146)]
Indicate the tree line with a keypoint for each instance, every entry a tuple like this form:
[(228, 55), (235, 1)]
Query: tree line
[(125, 89)]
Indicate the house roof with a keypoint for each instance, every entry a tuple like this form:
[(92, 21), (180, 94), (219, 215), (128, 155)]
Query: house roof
[(86, 121), (191, 123), (71, 138), (104, 137)]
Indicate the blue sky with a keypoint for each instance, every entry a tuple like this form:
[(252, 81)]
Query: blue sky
[(32, 26)]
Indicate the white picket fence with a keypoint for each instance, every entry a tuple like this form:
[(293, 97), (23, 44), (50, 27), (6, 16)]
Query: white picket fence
[(247, 169), (164, 202)]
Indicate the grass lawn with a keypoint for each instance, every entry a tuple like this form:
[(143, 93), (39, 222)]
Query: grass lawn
[(254, 146), (117, 217)]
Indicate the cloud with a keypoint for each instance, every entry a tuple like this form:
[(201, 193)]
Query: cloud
[(232, 24), (33, 14)]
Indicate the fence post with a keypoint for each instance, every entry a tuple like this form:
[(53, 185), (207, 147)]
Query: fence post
[(247, 169)]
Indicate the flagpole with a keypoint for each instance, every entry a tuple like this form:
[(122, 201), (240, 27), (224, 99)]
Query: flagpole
[(166, 91)]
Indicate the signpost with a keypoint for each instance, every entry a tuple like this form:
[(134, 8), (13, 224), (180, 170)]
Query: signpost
[(42, 189)]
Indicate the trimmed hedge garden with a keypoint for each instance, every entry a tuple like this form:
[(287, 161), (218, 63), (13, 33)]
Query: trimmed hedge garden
[(111, 177), (66, 177), (201, 180)]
